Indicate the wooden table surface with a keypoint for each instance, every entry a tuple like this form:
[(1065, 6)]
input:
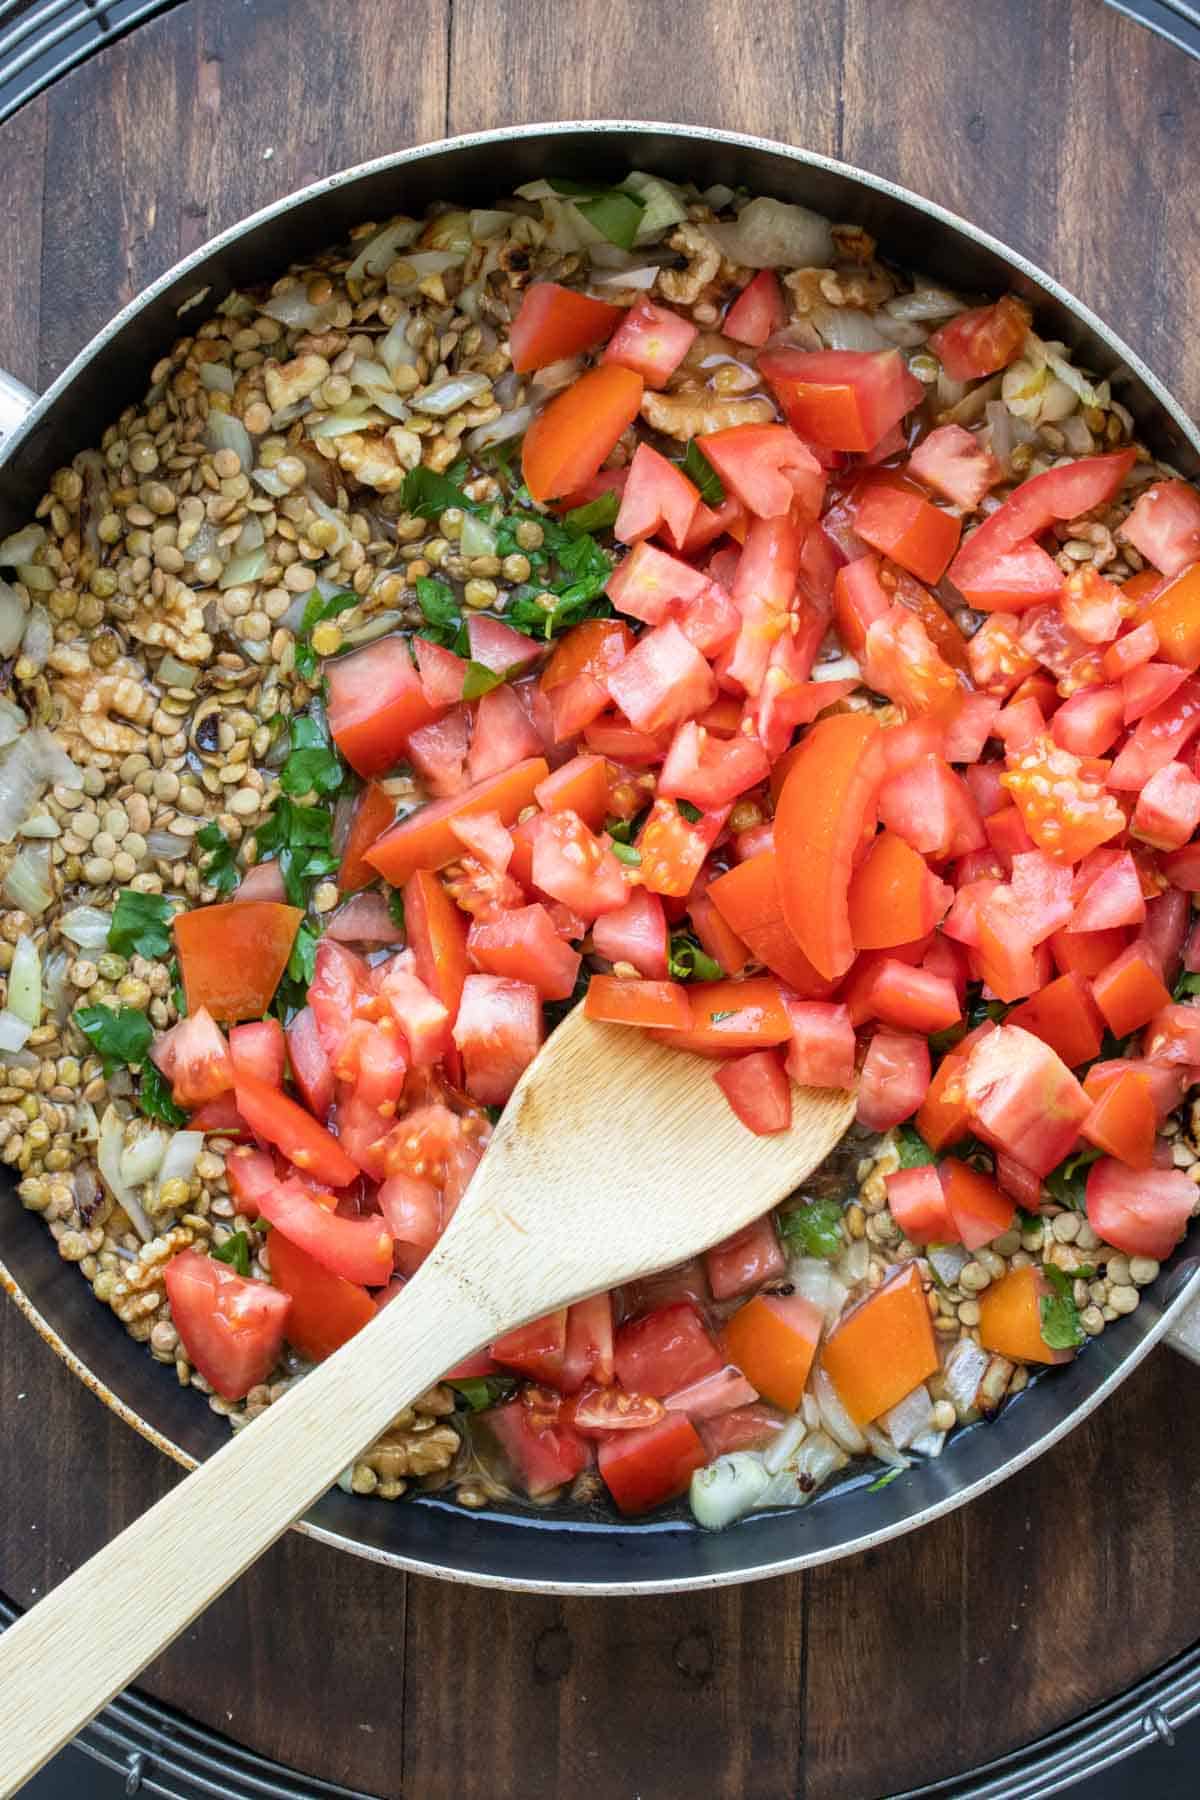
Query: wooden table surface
[(1065, 129)]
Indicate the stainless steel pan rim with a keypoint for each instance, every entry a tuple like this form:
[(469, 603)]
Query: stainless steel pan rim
[(481, 1545)]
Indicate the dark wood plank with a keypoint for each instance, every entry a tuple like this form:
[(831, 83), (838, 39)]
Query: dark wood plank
[(1062, 129)]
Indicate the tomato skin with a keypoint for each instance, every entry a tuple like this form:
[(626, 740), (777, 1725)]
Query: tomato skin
[(1172, 1036), (326, 1310), (954, 464), (713, 1395), (373, 813), (1021, 1098), (1168, 808), (1065, 1016), (554, 322), (744, 1262), (821, 1053), (1130, 991), (711, 772), (232, 1328), (894, 1080), (376, 702), (651, 340), (498, 1032), (664, 1351), (913, 999), (904, 525), (568, 441), (1165, 526), (524, 946), (658, 497), (892, 897), (232, 956), (942, 1117), (642, 1469), (655, 1004), (1144, 1212), (1123, 1121), (841, 399), (917, 1202), (733, 1015), (588, 1351), (756, 1087), (859, 598), (773, 1340), (275, 1117), (758, 311), (819, 822), (425, 840), (768, 469), (931, 808), (978, 1210), (662, 681), (1159, 737), (983, 340)]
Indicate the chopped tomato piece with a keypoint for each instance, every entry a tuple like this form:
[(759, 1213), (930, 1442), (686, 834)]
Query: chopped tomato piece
[(497, 646), (1159, 737), (412, 1208), (758, 311), (259, 1049), (882, 1349), (823, 809), (773, 1340), (942, 1118), (326, 1310), (220, 1115), (498, 1033), (893, 898), (425, 840), (917, 1202), (657, 497), (1144, 1212), (543, 1456), (767, 468), (1173, 1036), (713, 1395), (647, 581), (998, 567), (553, 322), (894, 1080), (673, 848), (821, 1053), (978, 342), (357, 1249), (841, 399), (1131, 651), (1021, 1098), (1164, 526), (1010, 1317), (662, 681), (901, 661), (657, 1004), (1086, 952), (195, 1059), (716, 936), (709, 771), (374, 811), (573, 865), (442, 673), (1130, 991), (1123, 1121), (569, 440), (901, 523), (636, 933), (376, 702), (978, 1209), (311, 1064), (232, 1328), (525, 946), (744, 1261), (1090, 722), (275, 1118), (1062, 799), (734, 1015), (1167, 1081), (912, 999), (955, 464), (232, 956), (749, 900), (859, 599), (665, 1350), (652, 341), (1168, 808), (642, 1469), (1146, 688), (997, 658), (1092, 606), (757, 1088), (1065, 1016), (503, 735), (536, 1350)]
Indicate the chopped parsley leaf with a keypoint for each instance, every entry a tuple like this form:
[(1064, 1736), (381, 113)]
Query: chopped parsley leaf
[(396, 907), (316, 610), (813, 1228), (314, 766), (219, 871), (444, 623), (479, 680), (302, 838), (885, 1480), (1068, 1183), (700, 471), (691, 813), (627, 854), (914, 1151), (717, 1017), (1061, 1329), (235, 1251), (623, 831), (154, 1098), (291, 996), (141, 925), (428, 494), (478, 1392), (686, 961), (122, 1038), (1187, 985), (594, 515)]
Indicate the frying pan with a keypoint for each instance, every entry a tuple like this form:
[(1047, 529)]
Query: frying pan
[(520, 1547)]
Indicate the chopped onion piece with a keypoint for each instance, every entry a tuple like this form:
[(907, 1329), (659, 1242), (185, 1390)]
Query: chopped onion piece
[(22, 546), (180, 1159), (35, 576), (725, 1489), (380, 250), (205, 543), (839, 668), (87, 927), (12, 619), (909, 1417), (770, 234), (293, 307), (14, 1030), (27, 884), (142, 1156), (947, 1261), (25, 983), (784, 1445), (718, 196), (884, 1449), (225, 432), (39, 825), (499, 431), (365, 373), (964, 1370), (412, 270), (268, 481), (378, 625), (478, 538), (924, 303), (394, 350), (642, 278), (56, 997), (56, 766), (38, 640), (834, 1417), (346, 420), (1053, 355), (21, 783), (176, 674), (216, 377), (166, 846), (900, 331), (447, 396), (815, 1281), (854, 1261), (244, 569), (343, 536), (846, 328), (485, 223), (930, 1443), (12, 721), (250, 537)]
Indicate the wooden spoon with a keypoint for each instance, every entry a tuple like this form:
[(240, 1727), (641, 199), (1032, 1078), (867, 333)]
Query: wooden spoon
[(616, 1156)]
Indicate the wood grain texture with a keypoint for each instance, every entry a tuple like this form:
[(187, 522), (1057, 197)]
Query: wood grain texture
[(1063, 128)]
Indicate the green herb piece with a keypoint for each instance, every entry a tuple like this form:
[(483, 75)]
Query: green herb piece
[(396, 907), (1059, 1314), (884, 1480), (316, 610), (478, 1392), (1027, 1220), (700, 471), (122, 1037), (235, 1251), (623, 831), (479, 679), (555, 1011), (689, 812), (219, 870), (526, 613), (141, 925), (1068, 1183), (429, 494), (627, 854), (1186, 986), (154, 1098), (983, 1010), (942, 1041), (302, 838), (686, 961), (813, 1228), (615, 216), (178, 998), (444, 623), (493, 1113), (716, 1018), (291, 996), (594, 515), (914, 1151), (314, 766)]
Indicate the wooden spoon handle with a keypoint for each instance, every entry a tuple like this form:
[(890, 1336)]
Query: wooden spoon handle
[(91, 1634)]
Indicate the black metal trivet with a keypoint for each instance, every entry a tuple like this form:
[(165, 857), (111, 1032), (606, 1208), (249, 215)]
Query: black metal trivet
[(42, 39)]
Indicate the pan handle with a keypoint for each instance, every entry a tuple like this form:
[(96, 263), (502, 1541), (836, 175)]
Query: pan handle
[(16, 402)]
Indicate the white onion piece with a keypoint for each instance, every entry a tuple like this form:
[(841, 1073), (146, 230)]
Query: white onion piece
[(365, 373), (346, 420), (391, 404), (1077, 437), (964, 1370), (167, 846), (21, 782), (12, 619), (242, 570), (269, 482), (378, 625), (499, 431), (39, 825), (486, 223), (56, 997), (905, 1421), (382, 248), (180, 1160), (846, 328), (216, 377), (810, 1412), (87, 1125), (770, 234), (343, 538), (478, 538), (784, 1445), (854, 1261), (225, 432), (447, 396), (87, 927), (176, 674), (839, 668), (726, 1489), (816, 1460), (206, 542), (884, 1449), (56, 766), (924, 303), (25, 983), (947, 1261), (14, 1030), (815, 1281), (834, 1417), (930, 1443), (27, 884), (12, 720), (38, 639), (142, 1156), (718, 196), (22, 546), (250, 537), (422, 263), (1052, 355), (641, 278), (899, 331), (293, 307), (394, 350)]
